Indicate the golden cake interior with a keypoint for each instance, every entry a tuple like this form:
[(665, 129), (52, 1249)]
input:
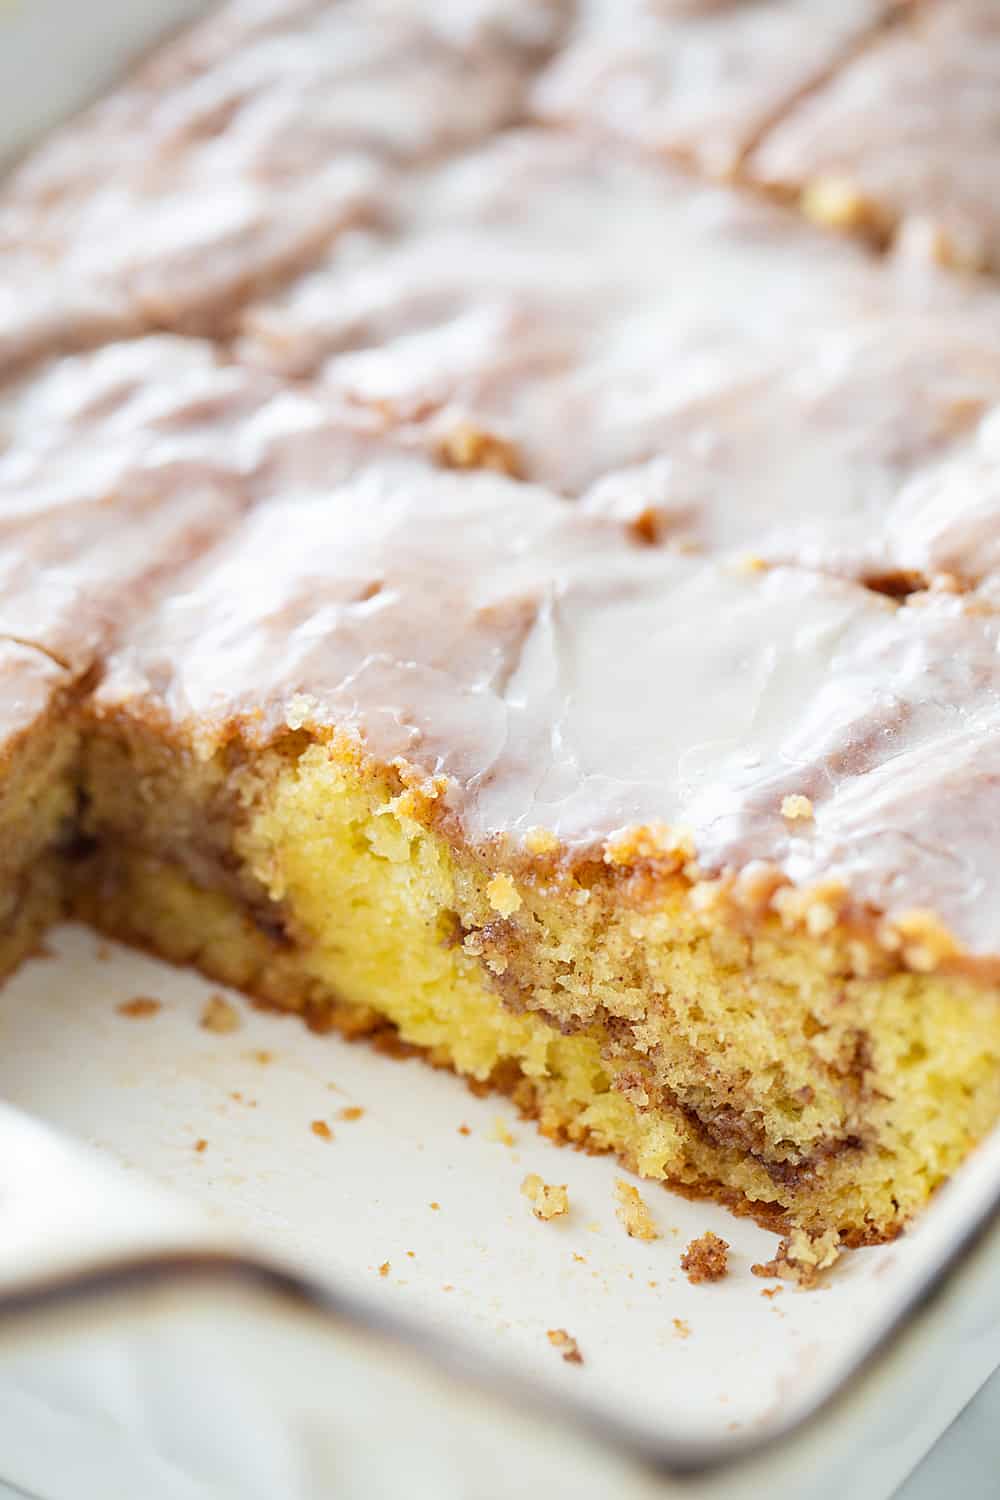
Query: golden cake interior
[(38, 797), (765, 1064)]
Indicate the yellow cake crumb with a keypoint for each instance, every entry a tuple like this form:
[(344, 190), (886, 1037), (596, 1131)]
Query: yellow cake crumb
[(633, 1213), (838, 203), (549, 1200), (301, 709), (540, 841), (219, 1015), (803, 1257), (926, 943), (682, 1328), (754, 888), (707, 896), (322, 1129), (815, 908), (501, 893), (469, 447), (658, 842), (796, 806), (560, 1339)]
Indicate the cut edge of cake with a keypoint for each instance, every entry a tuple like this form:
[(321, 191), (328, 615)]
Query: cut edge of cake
[(787, 1066)]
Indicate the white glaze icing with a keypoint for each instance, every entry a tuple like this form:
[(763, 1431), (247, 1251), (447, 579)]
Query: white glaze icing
[(230, 159), (757, 384), (696, 80), (551, 289), (118, 465), (927, 162), (561, 675)]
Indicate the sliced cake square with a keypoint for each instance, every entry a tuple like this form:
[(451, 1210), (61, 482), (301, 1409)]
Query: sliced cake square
[(688, 859)]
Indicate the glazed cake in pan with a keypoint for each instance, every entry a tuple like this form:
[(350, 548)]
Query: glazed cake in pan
[(550, 612)]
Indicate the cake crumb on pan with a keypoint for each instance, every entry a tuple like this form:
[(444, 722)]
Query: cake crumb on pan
[(469, 447), (706, 1259), (322, 1129), (795, 806), (633, 1213), (219, 1015), (802, 1257), (549, 1200), (139, 1007), (567, 1344)]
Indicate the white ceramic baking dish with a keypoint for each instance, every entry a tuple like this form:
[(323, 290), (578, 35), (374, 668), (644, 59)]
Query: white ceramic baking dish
[(282, 1315)]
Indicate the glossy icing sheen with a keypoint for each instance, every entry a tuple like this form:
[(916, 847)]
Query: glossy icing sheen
[(926, 164), (673, 389), (236, 154), (118, 466), (698, 80), (509, 262), (564, 676), (893, 466)]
